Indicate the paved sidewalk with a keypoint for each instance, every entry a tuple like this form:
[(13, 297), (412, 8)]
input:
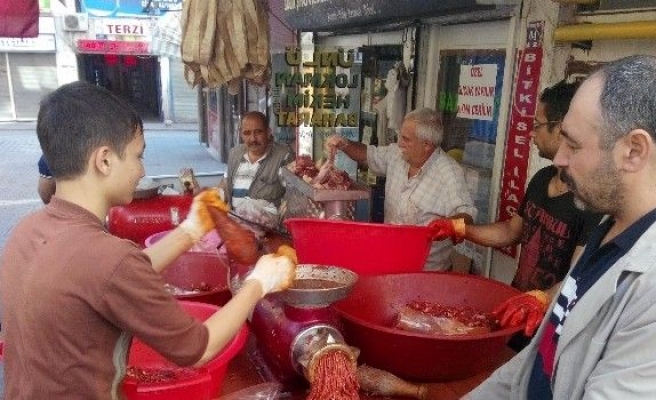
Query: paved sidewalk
[(8, 126), (168, 148)]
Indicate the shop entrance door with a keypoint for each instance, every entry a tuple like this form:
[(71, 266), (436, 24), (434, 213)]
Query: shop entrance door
[(471, 87), (469, 95), (135, 78)]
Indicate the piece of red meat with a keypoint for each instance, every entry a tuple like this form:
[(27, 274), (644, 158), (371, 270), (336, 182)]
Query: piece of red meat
[(327, 177)]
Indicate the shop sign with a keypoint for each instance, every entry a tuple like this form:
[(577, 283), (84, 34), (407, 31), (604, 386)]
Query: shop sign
[(476, 91), (315, 15), (318, 87), (44, 43), (122, 8), (112, 47), (123, 27), (522, 113)]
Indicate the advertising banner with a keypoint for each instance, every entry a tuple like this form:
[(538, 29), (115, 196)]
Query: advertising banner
[(522, 112)]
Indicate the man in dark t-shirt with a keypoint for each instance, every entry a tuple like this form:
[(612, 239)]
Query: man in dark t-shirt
[(548, 226), (550, 229)]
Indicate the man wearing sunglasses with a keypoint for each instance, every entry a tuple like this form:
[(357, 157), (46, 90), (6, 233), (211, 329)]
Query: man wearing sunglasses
[(550, 229)]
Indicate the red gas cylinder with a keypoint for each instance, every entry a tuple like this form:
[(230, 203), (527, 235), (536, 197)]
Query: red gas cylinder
[(145, 217)]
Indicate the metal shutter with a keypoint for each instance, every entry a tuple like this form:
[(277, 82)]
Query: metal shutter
[(32, 77), (6, 109), (185, 99)]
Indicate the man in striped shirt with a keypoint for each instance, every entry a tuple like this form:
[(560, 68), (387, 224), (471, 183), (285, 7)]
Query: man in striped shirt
[(254, 165)]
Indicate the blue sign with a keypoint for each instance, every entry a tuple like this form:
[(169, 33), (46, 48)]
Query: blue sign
[(128, 8)]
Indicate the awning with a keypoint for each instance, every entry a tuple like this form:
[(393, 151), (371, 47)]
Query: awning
[(167, 35), (19, 19), (327, 15)]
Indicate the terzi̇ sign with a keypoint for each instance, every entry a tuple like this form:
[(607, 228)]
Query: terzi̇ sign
[(316, 90)]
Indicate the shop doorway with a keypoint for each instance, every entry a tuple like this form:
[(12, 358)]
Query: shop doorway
[(472, 85), (134, 78)]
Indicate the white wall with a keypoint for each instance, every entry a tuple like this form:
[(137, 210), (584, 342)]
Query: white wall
[(607, 50)]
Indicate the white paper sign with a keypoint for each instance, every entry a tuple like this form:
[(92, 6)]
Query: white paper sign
[(476, 91)]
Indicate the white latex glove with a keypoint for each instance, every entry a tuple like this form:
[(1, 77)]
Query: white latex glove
[(275, 273), (199, 221)]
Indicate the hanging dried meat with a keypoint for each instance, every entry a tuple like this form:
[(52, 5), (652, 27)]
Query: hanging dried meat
[(225, 42)]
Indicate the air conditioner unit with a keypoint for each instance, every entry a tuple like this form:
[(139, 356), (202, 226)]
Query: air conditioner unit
[(76, 22)]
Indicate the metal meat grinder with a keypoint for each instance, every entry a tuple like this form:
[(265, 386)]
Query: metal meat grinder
[(303, 200), (294, 327)]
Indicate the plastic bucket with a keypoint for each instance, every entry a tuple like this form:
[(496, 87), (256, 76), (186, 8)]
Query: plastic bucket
[(202, 383), (365, 248)]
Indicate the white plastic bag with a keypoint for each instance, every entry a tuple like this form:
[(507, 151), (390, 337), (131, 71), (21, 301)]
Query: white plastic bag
[(263, 391), (257, 211)]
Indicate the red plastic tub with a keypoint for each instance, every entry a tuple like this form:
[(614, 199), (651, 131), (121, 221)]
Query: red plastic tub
[(198, 267), (365, 248), (194, 270), (195, 383), (369, 313)]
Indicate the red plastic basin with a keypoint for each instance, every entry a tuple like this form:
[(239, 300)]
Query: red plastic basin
[(204, 384), (200, 265), (365, 248), (195, 269), (368, 315)]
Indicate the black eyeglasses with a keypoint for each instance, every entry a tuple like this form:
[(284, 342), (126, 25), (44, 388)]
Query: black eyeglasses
[(537, 124)]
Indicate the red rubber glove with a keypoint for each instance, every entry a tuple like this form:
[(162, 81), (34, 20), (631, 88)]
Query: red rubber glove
[(444, 228), (526, 308)]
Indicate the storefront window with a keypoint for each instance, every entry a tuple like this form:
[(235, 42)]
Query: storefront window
[(469, 94)]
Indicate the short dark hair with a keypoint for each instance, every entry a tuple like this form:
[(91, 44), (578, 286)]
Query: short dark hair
[(257, 115), (76, 119), (556, 100), (628, 97)]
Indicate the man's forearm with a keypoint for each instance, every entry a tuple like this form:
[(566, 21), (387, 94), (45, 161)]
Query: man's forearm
[(355, 150), (468, 218), (491, 235), (166, 250)]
